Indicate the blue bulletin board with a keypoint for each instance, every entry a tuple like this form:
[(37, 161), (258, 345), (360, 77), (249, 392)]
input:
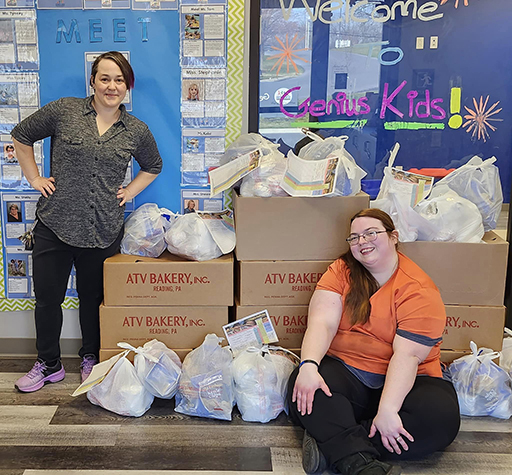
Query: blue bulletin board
[(47, 52), (152, 40), (67, 43)]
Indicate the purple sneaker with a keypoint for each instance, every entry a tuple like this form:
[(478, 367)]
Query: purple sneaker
[(39, 375), (88, 362)]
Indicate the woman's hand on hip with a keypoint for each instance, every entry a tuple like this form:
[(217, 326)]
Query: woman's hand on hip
[(392, 432), (306, 384), (124, 195), (45, 185)]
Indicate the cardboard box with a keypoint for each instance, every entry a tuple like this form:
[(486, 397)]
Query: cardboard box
[(465, 273), (483, 325), (168, 280), (277, 282), (107, 353), (449, 356), (177, 327), (292, 229), (290, 322)]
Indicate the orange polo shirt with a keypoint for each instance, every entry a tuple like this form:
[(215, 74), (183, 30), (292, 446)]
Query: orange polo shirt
[(408, 304)]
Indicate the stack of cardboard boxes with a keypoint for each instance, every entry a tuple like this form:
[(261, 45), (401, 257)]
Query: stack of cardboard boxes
[(471, 279), (169, 299), (283, 247)]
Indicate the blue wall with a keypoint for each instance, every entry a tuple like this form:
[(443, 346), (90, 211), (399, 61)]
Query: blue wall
[(156, 96)]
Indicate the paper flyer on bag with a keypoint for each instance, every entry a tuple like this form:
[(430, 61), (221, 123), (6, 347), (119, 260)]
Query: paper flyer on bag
[(98, 373), (227, 175), (254, 330), (419, 185), (222, 228), (310, 177)]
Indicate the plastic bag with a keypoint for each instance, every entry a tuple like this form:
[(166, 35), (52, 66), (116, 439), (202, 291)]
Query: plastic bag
[(247, 143), (348, 181), (397, 196), (410, 225), (506, 352), (479, 182), (452, 214), (483, 388), (144, 231), (159, 369), (260, 377), (121, 391), (206, 386), (190, 238), (264, 180)]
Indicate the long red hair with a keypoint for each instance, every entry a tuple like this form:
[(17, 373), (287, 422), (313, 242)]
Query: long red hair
[(362, 284)]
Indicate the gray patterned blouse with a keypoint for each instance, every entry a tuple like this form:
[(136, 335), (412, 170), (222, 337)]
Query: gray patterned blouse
[(88, 168)]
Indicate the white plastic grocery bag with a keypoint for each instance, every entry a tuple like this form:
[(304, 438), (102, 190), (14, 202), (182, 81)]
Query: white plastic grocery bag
[(264, 180), (144, 230), (189, 237), (260, 377), (479, 182), (349, 175), (411, 226), (121, 391), (159, 369), (483, 388), (452, 215), (206, 386)]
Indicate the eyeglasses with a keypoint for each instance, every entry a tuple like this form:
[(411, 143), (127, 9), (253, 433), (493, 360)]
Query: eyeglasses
[(368, 236)]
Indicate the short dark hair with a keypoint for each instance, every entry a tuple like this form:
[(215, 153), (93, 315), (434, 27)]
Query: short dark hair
[(121, 61), (9, 147)]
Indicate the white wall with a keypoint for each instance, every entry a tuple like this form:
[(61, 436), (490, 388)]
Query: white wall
[(21, 324)]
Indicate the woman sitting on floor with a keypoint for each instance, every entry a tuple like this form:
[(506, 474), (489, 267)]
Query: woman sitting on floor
[(375, 326)]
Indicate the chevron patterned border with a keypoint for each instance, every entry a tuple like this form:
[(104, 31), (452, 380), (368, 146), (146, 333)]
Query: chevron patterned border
[(235, 69), (228, 199), (15, 305)]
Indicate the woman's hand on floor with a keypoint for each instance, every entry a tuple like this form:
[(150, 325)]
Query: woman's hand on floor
[(391, 430), (306, 384)]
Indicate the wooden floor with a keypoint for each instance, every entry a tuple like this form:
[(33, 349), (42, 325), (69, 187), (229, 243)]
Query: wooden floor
[(49, 432)]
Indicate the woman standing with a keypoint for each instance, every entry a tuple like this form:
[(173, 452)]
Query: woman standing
[(81, 210), (370, 385)]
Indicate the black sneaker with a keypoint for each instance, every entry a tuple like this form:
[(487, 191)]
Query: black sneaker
[(366, 464), (313, 460)]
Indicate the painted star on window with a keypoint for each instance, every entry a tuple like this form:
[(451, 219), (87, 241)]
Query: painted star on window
[(478, 119), (287, 54), (466, 3)]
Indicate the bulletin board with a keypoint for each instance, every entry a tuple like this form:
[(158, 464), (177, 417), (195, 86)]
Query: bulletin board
[(433, 75), (68, 36)]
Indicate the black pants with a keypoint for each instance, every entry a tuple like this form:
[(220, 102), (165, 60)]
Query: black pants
[(341, 423), (52, 264)]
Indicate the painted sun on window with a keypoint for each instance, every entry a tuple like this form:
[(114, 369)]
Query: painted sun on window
[(287, 53), (466, 3), (478, 119)]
